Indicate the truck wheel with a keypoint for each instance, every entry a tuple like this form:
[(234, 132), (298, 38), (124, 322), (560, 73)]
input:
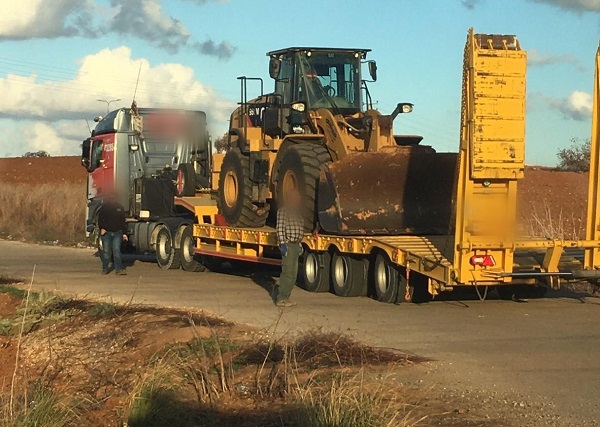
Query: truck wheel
[(348, 275), (299, 169), (235, 193), (315, 271), (186, 180), (389, 284), (190, 261), (167, 256)]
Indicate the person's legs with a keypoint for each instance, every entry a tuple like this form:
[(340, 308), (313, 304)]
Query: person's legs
[(289, 272), (117, 240), (106, 250)]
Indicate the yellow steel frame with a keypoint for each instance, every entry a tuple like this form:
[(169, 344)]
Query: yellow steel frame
[(592, 255)]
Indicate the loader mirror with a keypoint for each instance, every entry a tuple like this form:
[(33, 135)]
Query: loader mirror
[(274, 68), (373, 70)]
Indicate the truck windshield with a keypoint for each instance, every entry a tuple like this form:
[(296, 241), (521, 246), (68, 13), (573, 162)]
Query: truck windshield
[(331, 80)]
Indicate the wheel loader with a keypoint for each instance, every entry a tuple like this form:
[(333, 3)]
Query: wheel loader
[(319, 133)]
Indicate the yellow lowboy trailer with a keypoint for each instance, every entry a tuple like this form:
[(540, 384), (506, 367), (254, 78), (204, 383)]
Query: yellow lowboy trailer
[(482, 249)]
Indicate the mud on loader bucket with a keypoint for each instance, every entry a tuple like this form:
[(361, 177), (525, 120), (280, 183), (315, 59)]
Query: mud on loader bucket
[(403, 190)]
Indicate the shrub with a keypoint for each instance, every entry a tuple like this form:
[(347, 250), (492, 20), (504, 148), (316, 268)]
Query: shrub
[(575, 158)]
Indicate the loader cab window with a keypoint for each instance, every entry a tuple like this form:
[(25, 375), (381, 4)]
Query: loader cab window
[(96, 155), (330, 80), (283, 85)]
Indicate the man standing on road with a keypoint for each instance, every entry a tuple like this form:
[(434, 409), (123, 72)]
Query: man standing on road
[(112, 225), (290, 230)]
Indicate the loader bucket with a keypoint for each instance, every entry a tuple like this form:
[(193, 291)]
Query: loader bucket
[(403, 190)]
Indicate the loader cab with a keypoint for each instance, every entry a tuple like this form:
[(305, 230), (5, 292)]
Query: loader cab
[(322, 78), (317, 78)]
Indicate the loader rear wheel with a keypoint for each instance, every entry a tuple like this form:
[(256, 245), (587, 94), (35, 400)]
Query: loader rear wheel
[(348, 275), (315, 271), (190, 261), (389, 285), (299, 169), (235, 193), (167, 256), (186, 180)]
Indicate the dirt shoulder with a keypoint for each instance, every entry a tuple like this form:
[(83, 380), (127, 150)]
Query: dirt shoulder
[(84, 362)]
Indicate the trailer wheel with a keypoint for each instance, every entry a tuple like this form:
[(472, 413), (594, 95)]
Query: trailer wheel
[(190, 261), (186, 180), (389, 284), (235, 193), (315, 271), (168, 257), (348, 275)]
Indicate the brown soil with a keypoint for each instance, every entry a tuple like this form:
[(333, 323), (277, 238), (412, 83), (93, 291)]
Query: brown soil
[(42, 170), (553, 203)]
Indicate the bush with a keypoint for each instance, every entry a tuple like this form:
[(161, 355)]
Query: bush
[(575, 158)]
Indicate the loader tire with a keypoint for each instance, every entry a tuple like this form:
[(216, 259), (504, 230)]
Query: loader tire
[(186, 180), (167, 256), (190, 261), (300, 168), (235, 193)]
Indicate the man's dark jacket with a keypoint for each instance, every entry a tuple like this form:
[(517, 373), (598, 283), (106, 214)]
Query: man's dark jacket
[(111, 217)]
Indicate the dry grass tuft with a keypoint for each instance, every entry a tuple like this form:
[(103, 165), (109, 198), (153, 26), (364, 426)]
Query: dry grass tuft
[(43, 212)]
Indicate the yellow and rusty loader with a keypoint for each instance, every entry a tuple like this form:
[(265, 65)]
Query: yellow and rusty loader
[(319, 133)]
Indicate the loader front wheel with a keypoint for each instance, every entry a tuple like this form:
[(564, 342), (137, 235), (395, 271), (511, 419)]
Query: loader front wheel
[(299, 170), (348, 275), (235, 193)]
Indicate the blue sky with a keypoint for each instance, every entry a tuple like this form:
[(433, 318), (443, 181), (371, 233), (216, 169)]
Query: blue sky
[(57, 57)]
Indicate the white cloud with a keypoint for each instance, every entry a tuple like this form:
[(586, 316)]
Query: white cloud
[(26, 19), (576, 106), (143, 19), (51, 115), (108, 74), (575, 5), (536, 58)]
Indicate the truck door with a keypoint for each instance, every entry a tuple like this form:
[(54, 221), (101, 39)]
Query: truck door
[(101, 167)]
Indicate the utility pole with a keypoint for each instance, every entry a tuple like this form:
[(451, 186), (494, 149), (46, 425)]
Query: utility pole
[(108, 102)]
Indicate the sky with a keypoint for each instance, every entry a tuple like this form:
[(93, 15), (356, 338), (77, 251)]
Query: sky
[(58, 57)]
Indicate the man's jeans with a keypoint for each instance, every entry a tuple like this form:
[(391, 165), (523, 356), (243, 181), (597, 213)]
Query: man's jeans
[(289, 271), (111, 247)]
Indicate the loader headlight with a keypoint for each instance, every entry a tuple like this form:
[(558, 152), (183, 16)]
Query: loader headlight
[(299, 106), (407, 108)]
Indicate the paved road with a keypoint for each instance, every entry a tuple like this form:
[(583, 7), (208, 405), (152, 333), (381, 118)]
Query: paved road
[(542, 355)]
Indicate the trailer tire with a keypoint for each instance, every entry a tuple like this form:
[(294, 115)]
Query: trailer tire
[(315, 271), (348, 275), (300, 168), (167, 256), (235, 193), (190, 261), (388, 283), (186, 180)]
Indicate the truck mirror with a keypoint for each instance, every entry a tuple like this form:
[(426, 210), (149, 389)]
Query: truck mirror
[(274, 68), (373, 70)]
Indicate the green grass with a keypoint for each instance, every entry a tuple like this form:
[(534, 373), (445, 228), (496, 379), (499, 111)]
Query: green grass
[(13, 291)]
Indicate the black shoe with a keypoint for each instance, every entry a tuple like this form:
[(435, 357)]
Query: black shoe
[(104, 272), (121, 272)]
